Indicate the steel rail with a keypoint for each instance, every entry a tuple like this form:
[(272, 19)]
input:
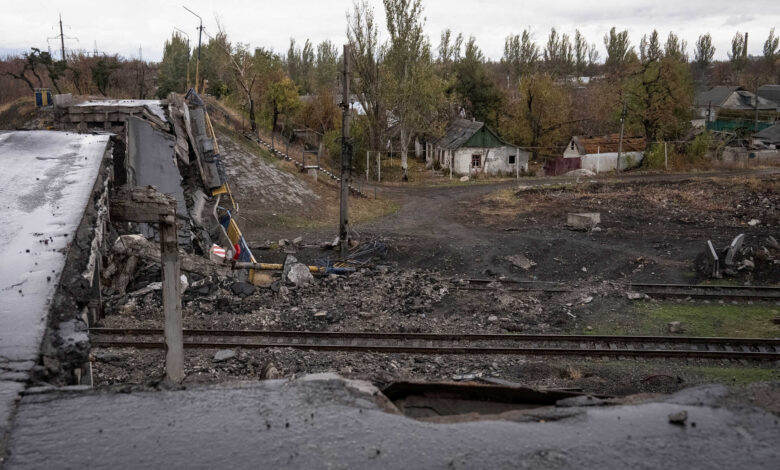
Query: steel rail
[(378, 342)]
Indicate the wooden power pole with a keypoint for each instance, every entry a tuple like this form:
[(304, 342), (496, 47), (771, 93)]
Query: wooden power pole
[(620, 142), (346, 154)]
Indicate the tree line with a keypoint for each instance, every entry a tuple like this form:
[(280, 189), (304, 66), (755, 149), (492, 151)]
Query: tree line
[(536, 96)]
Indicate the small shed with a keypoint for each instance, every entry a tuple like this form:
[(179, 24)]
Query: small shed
[(470, 147), (600, 153), (768, 138)]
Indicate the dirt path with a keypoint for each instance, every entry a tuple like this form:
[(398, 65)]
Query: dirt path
[(433, 228)]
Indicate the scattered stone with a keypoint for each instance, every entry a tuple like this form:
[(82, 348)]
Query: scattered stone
[(521, 261), (224, 354), (492, 318), (580, 172), (754, 222), (184, 283), (675, 327), (242, 289), (321, 314), (587, 300), (772, 241), (679, 418), (634, 295), (746, 264), (584, 269), (300, 275), (271, 373), (297, 241), (262, 279), (583, 220), (463, 179), (463, 377)]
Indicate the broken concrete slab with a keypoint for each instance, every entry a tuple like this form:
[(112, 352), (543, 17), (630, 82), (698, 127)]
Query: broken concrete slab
[(151, 161), (583, 220), (713, 259), (733, 249)]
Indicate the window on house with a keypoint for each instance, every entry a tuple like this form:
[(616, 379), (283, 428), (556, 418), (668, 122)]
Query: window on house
[(572, 145), (476, 161), (511, 159)]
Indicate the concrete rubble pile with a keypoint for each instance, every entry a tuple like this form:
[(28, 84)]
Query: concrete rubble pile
[(756, 261)]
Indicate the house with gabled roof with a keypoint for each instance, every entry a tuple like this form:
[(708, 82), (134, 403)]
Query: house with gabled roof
[(726, 108), (470, 147)]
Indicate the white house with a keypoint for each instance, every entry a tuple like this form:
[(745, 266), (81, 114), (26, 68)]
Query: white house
[(470, 147)]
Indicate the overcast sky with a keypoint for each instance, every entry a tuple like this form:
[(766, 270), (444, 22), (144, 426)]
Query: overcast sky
[(124, 27)]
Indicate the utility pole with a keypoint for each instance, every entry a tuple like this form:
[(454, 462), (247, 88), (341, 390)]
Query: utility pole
[(197, 63), (62, 39), (620, 142), (346, 153)]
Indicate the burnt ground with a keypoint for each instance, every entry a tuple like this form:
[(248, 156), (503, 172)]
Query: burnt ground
[(652, 229)]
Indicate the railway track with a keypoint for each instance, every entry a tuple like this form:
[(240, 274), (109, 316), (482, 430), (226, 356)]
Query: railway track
[(468, 344), (653, 290)]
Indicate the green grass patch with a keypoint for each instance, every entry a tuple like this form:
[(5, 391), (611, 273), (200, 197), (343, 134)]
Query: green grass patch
[(736, 375), (738, 321)]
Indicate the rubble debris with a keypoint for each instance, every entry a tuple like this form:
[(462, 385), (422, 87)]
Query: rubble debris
[(678, 418), (296, 273), (634, 295), (242, 289), (464, 178), (521, 261), (138, 245), (754, 222), (583, 221), (675, 327)]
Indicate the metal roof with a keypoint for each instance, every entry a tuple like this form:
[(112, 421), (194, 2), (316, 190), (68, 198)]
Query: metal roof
[(716, 95), (733, 97), (771, 134), (458, 133), (770, 92), (609, 143)]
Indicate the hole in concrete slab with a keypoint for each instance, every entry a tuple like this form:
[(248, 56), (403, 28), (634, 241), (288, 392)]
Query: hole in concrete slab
[(423, 400)]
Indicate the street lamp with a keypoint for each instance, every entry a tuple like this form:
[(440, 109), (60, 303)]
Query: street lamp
[(197, 64), (188, 56)]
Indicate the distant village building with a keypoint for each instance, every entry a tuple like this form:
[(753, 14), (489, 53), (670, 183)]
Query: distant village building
[(471, 148), (768, 138), (770, 92), (600, 153), (727, 108)]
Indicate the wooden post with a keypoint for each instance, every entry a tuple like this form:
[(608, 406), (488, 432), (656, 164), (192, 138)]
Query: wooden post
[(346, 155), (137, 204), (171, 296), (517, 163), (666, 157), (378, 169), (620, 142), (368, 152)]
